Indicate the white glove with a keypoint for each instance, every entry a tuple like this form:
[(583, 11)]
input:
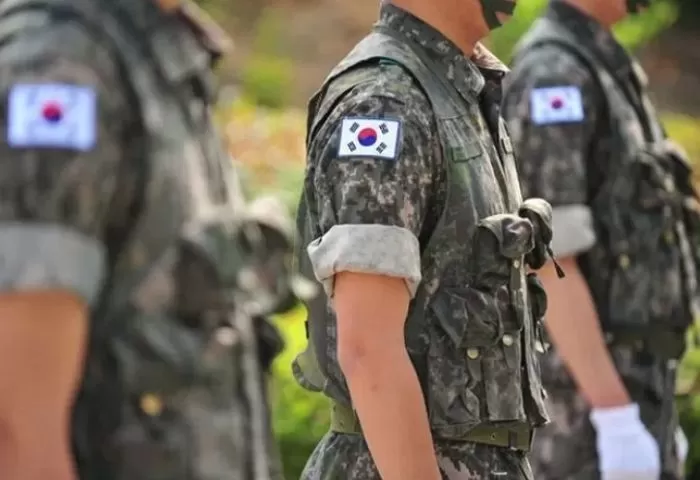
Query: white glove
[(626, 450), (681, 446)]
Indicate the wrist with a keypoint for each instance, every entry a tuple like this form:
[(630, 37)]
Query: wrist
[(617, 418), (609, 398)]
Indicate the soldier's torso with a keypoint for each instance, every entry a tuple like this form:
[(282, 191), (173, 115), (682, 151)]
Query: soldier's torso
[(640, 271), (469, 331), (171, 387)]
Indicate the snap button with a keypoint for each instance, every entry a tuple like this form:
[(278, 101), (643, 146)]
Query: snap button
[(151, 404), (624, 261)]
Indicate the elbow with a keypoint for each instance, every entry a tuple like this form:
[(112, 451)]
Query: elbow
[(359, 357)]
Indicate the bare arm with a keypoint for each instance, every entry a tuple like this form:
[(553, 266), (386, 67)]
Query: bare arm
[(576, 334), (383, 384), (42, 343)]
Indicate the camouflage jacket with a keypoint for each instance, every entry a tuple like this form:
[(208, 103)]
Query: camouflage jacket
[(591, 143), (136, 208), (437, 204)]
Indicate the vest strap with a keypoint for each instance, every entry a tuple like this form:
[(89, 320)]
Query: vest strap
[(344, 420)]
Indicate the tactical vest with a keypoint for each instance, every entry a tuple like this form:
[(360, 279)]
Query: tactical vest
[(643, 270), (470, 331), (172, 388)]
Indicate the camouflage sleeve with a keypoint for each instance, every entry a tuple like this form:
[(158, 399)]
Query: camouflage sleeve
[(62, 116), (373, 169), (552, 105)]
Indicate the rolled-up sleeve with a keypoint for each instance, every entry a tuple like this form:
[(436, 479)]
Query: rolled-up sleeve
[(372, 208), (552, 106), (60, 159)]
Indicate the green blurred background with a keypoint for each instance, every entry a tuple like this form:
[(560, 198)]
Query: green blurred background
[(283, 50)]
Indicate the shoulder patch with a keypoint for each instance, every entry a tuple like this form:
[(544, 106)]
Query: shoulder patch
[(556, 105), (52, 116), (369, 137)]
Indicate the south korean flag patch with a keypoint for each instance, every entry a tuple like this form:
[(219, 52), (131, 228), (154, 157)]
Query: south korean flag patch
[(553, 105), (369, 137)]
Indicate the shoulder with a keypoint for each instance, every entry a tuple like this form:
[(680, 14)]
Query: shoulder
[(63, 51), (549, 65), (377, 91)]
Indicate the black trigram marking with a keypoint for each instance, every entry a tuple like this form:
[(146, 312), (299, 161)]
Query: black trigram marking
[(383, 128), (381, 147), (354, 127), (352, 147)]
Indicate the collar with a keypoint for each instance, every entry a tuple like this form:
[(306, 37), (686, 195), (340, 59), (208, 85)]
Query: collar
[(183, 36), (593, 35), (466, 74), (213, 37)]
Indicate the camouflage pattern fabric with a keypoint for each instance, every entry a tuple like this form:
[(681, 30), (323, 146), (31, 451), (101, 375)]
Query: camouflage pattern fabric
[(603, 164), (147, 224), (340, 457), (471, 341)]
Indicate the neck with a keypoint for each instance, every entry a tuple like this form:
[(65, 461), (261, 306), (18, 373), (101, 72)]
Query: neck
[(450, 21), (599, 10), (168, 5)]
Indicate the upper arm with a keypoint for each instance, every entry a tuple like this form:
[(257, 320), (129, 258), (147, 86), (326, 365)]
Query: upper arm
[(553, 106), (552, 151), (62, 116), (371, 209)]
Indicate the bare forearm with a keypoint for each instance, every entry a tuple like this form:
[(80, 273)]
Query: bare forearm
[(574, 328), (28, 456), (387, 397)]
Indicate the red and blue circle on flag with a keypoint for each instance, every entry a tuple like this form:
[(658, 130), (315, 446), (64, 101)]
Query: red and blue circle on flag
[(367, 137), (52, 112)]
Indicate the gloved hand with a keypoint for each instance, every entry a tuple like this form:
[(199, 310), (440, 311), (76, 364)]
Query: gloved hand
[(681, 446), (626, 450)]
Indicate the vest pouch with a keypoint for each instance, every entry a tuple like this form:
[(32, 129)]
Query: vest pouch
[(690, 206), (476, 346), (181, 399), (645, 288)]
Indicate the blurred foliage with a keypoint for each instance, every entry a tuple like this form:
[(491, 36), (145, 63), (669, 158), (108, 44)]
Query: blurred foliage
[(268, 141), (300, 417), (266, 75)]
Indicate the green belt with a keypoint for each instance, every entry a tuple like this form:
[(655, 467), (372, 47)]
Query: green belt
[(344, 420)]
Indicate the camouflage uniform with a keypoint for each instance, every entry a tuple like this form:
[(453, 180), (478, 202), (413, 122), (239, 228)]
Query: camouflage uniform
[(132, 203), (442, 213), (619, 191)]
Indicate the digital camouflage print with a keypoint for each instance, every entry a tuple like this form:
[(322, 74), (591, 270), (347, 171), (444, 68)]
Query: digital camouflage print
[(146, 222), (441, 211), (589, 141), (340, 457)]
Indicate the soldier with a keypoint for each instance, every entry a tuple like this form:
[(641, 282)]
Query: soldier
[(412, 221), (589, 141), (131, 271)]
